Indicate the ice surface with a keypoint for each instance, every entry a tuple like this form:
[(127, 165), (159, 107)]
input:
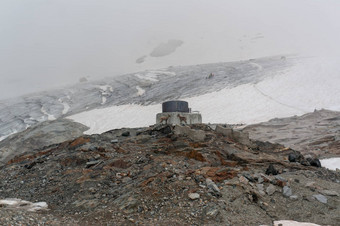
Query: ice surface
[(331, 163), (49, 116), (294, 92), (140, 91)]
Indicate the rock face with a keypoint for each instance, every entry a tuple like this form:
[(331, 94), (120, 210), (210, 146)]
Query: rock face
[(156, 176), (314, 133), (39, 136)]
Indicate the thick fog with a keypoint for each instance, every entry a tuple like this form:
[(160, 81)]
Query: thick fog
[(45, 44)]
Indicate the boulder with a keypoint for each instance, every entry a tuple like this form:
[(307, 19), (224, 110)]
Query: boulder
[(195, 135)]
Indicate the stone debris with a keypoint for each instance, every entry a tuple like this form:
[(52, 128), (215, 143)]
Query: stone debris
[(260, 188), (320, 198), (243, 180), (126, 134), (195, 135), (271, 170), (329, 192), (212, 187), (287, 191), (293, 197), (270, 189), (194, 196), (157, 176)]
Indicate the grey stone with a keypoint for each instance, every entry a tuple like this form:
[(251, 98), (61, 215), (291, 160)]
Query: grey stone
[(260, 188), (320, 198), (293, 197), (212, 212), (329, 193), (278, 177), (238, 136), (287, 191), (211, 185), (195, 135), (92, 163), (114, 141), (270, 189), (126, 134), (243, 180), (260, 180), (194, 196)]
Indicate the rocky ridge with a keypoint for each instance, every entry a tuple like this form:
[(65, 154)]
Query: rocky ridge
[(182, 175), (316, 133)]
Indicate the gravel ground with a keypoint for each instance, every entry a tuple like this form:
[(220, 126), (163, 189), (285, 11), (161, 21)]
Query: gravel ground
[(21, 217)]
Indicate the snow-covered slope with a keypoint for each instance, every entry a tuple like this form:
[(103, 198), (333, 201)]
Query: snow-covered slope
[(145, 87), (312, 83)]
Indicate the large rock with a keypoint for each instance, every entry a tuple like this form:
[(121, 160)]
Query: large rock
[(234, 135), (39, 136), (195, 135)]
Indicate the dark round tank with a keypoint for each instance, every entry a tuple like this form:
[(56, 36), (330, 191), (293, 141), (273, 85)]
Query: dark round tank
[(175, 106)]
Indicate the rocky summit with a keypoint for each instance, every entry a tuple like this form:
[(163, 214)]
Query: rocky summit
[(169, 175)]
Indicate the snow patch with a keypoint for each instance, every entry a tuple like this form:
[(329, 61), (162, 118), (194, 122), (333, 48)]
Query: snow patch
[(49, 116), (132, 115), (331, 163), (148, 76), (140, 91), (106, 91), (106, 88), (104, 99), (66, 106), (153, 75), (13, 132), (293, 223), (12, 203), (163, 72), (257, 66)]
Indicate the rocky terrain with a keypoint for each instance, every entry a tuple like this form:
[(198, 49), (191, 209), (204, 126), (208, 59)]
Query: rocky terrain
[(316, 133), (182, 175), (39, 136)]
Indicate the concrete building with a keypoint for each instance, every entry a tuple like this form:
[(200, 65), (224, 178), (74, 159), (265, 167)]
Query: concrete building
[(177, 113)]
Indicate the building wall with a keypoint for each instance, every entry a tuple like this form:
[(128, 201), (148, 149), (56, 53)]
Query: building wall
[(191, 118)]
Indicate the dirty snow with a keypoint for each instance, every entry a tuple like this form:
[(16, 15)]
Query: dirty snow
[(49, 116), (293, 223), (4, 137), (140, 91), (66, 106), (148, 76), (106, 88), (12, 203), (331, 163)]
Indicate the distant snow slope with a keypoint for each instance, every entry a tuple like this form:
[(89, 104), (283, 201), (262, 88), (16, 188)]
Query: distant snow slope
[(311, 84), (145, 87)]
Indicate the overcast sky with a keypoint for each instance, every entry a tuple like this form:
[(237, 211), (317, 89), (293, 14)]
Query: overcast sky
[(49, 43)]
